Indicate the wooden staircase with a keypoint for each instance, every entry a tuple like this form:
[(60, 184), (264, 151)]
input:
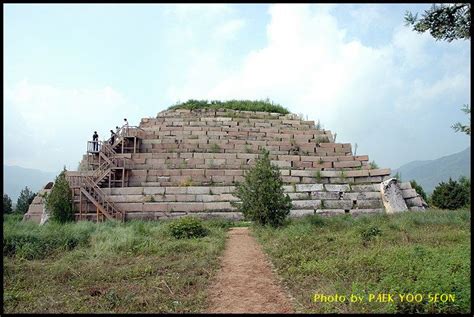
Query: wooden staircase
[(90, 184), (108, 170)]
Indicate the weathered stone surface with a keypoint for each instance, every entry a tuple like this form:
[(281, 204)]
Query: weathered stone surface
[(153, 190), (296, 213), (338, 204), (306, 204), (309, 187), (366, 188), (409, 193), (392, 196), (337, 188), (330, 212), (416, 201), (299, 196), (380, 172), (405, 185)]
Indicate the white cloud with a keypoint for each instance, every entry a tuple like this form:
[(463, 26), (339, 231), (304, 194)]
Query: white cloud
[(55, 123), (355, 90), (228, 30)]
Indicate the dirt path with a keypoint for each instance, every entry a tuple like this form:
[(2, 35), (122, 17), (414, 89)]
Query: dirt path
[(246, 283)]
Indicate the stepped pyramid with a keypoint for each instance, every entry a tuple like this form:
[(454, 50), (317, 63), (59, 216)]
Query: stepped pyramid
[(189, 161)]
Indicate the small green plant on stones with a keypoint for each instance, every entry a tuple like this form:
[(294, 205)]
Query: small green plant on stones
[(186, 183), (187, 227), (215, 148), (150, 198), (373, 165), (322, 139), (261, 194), (317, 175)]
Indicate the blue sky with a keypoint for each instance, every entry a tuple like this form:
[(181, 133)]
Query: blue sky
[(73, 69)]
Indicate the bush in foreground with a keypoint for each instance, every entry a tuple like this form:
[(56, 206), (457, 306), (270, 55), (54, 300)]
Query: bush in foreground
[(187, 227), (262, 195)]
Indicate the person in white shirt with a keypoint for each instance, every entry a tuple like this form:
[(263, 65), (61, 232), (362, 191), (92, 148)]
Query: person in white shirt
[(125, 127)]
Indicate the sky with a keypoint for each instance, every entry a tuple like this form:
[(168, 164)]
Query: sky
[(72, 69)]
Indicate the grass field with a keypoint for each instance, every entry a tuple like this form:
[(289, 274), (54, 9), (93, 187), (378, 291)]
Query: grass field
[(139, 267), (408, 253), (108, 267)]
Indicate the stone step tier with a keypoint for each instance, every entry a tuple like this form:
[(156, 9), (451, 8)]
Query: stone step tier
[(211, 201), (215, 176)]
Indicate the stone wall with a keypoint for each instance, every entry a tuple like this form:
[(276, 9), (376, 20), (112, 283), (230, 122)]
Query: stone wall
[(190, 161)]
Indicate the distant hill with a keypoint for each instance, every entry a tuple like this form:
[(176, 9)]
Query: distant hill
[(15, 179), (430, 173)]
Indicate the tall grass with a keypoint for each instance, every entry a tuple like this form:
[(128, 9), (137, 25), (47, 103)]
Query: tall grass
[(136, 266), (412, 252)]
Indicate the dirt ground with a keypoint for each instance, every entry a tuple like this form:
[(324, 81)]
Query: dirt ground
[(246, 283)]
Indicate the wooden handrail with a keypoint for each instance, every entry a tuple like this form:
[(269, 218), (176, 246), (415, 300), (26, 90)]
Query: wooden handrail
[(132, 130), (101, 195)]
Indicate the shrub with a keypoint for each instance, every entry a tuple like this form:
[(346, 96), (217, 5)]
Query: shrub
[(369, 233), (59, 201), (451, 195), (24, 201), (187, 227), (419, 189), (261, 194)]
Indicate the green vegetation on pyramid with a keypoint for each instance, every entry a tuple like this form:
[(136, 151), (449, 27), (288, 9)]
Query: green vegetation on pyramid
[(242, 105)]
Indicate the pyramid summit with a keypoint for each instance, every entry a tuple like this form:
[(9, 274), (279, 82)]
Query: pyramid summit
[(189, 158)]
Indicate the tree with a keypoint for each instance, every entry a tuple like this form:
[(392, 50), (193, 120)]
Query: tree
[(261, 194), (451, 195), (458, 127), (59, 201), (7, 204), (466, 184), (24, 201), (444, 22), (419, 189)]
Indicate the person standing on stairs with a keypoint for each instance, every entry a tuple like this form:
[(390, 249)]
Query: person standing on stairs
[(125, 127), (112, 137), (95, 141)]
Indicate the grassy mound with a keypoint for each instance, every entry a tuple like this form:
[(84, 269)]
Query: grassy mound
[(244, 105), (424, 253)]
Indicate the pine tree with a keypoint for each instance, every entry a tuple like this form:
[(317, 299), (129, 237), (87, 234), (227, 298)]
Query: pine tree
[(24, 201), (261, 194), (7, 204), (59, 201)]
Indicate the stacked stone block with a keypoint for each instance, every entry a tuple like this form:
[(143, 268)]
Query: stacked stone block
[(190, 161)]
